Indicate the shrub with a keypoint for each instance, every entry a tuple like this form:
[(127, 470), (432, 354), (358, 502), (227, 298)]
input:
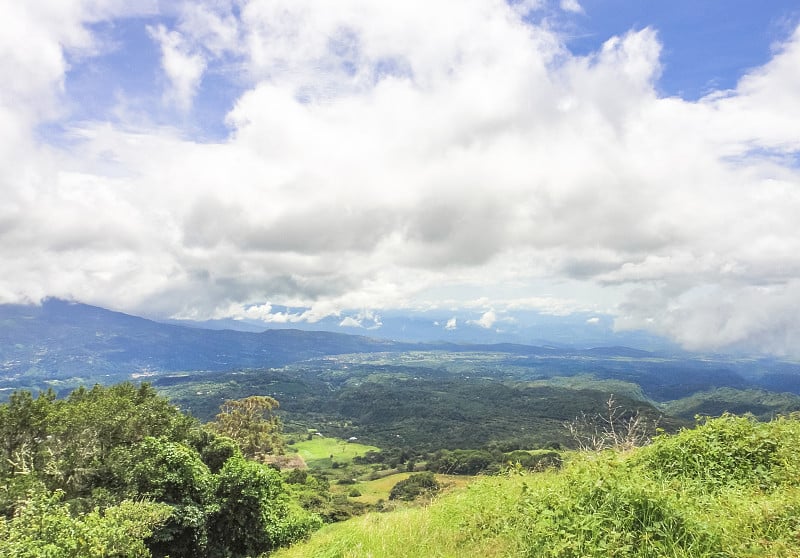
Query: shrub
[(603, 511), (724, 451), (254, 514), (43, 527), (538, 460), (414, 486), (461, 462)]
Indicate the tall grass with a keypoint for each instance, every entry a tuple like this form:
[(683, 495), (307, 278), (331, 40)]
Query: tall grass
[(728, 488)]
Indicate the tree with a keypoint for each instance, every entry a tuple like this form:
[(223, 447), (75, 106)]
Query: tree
[(215, 450), (613, 429), (43, 527), (24, 422), (254, 514), (174, 474), (416, 485), (91, 423), (252, 423)]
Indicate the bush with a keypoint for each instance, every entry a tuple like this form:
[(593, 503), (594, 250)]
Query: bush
[(461, 462), (218, 450), (604, 511), (296, 476), (172, 473), (414, 486), (44, 526), (254, 514), (727, 451), (537, 460)]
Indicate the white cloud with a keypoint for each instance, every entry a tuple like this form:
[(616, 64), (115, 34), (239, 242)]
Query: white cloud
[(525, 7), (184, 69), (378, 155), (349, 321), (756, 318), (212, 27), (35, 38), (571, 6), (487, 319), (365, 319), (451, 324)]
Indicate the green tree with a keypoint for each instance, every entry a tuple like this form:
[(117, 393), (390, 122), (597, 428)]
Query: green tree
[(119, 471), (174, 474), (254, 513), (24, 434), (89, 424), (24, 427), (253, 424), (414, 486), (44, 528), (215, 450)]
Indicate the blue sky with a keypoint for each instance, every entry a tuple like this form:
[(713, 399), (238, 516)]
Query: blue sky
[(708, 45), (625, 160)]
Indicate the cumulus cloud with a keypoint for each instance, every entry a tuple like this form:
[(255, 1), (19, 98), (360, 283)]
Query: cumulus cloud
[(183, 69), (365, 319), (486, 321), (377, 154), (451, 324)]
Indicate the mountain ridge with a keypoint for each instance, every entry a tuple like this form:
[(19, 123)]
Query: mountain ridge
[(62, 338), (63, 343)]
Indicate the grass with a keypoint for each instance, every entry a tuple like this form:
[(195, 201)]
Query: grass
[(430, 531), (321, 453), (729, 488), (373, 491)]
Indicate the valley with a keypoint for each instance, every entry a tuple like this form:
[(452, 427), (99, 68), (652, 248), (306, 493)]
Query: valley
[(365, 426)]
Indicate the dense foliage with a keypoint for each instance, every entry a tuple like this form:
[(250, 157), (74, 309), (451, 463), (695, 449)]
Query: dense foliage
[(426, 409), (118, 471), (419, 484), (252, 423), (728, 488)]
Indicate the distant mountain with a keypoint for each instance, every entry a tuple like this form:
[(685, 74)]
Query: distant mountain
[(524, 327), (60, 339), (65, 343), (618, 351)]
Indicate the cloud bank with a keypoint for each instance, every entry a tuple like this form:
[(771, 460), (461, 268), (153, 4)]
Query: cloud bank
[(377, 155)]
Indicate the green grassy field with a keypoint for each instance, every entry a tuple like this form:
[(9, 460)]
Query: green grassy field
[(321, 453), (373, 491)]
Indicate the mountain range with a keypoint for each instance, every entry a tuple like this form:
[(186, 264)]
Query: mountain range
[(61, 341)]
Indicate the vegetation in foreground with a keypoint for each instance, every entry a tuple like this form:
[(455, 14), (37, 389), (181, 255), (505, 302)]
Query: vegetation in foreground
[(728, 488), (120, 472)]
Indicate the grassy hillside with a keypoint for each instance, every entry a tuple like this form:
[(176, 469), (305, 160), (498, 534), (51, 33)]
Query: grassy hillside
[(729, 488), (762, 404)]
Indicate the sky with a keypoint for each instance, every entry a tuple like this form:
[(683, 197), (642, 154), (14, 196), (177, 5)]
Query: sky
[(291, 161)]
